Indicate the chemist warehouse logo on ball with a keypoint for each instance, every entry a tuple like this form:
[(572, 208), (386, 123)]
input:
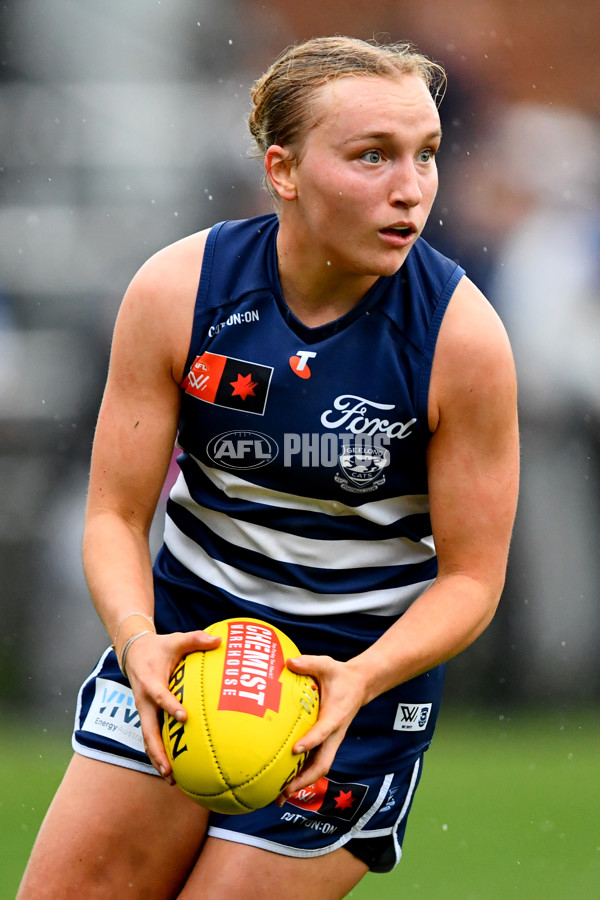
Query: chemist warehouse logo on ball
[(253, 666)]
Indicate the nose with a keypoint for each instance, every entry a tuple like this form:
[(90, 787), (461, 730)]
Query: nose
[(405, 189)]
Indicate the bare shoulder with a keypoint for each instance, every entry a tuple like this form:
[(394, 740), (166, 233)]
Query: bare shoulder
[(174, 268), (473, 363), (158, 306)]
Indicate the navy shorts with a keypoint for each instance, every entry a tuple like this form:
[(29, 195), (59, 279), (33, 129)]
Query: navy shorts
[(367, 814)]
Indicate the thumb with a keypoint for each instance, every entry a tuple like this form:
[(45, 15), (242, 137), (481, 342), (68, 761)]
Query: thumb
[(305, 665), (191, 641), (308, 665)]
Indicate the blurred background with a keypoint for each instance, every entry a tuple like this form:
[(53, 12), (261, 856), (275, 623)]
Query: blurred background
[(122, 128)]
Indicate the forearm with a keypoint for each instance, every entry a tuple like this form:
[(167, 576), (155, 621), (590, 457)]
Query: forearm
[(117, 566), (118, 569), (445, 620)]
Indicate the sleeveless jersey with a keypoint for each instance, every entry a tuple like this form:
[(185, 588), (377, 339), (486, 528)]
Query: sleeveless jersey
[(302, 497)]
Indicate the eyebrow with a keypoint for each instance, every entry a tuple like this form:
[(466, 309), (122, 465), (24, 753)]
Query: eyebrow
[(388, 135)]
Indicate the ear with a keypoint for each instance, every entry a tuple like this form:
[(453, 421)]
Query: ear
[(280, 168)]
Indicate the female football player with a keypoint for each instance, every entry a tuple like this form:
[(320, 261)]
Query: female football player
[(345, 406)]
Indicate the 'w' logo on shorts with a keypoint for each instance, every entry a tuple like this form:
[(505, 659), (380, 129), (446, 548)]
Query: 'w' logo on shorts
[(412, 716)]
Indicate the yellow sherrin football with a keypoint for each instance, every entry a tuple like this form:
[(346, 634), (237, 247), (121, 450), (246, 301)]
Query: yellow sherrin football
[(246, 711)]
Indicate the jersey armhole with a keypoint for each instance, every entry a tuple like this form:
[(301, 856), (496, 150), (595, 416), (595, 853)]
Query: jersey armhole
[(202, 292), (431, 341)]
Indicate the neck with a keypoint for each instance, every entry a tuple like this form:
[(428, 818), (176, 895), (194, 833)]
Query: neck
[(312, 288)]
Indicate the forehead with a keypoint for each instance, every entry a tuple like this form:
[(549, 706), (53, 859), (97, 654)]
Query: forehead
[(372, 104)]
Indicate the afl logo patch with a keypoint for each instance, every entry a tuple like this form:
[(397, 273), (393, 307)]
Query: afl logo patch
[(242, 449), (229, 382)]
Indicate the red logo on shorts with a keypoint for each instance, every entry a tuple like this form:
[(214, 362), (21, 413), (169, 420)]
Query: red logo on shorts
[(330, 798)]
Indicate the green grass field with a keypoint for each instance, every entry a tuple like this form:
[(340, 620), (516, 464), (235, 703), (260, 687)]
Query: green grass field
[(508, 807)]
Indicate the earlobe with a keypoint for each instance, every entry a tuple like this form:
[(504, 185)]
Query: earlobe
[(279, 167)]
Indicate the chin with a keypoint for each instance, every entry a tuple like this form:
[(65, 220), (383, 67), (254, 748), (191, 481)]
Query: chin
[(391, 265)]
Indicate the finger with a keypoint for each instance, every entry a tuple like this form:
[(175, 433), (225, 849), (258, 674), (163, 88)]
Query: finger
[(329, 726), (185, 643), (316, 767), (308, 665), (153, 742), (192, 641), (315, 736), (170, 703)]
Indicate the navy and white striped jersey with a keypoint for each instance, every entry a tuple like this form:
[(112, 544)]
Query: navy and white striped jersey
[(302, 497)]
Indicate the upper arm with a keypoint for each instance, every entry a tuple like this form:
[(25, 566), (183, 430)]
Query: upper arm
[(473, 456), (138, 416)]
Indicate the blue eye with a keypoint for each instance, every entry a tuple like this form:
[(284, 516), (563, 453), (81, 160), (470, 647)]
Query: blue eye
[(372, 156), (426, 155)]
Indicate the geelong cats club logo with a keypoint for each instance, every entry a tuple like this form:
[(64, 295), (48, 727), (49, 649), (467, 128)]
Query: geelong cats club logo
[(362, 467)]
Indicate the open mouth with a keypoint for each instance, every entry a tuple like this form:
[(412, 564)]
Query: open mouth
[(399, 230)]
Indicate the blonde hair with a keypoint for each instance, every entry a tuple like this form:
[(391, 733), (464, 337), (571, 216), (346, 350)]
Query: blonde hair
[(282, 99)]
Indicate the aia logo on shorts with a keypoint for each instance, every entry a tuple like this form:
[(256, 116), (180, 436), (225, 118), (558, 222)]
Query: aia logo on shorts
[(230, 382), (331, 798)]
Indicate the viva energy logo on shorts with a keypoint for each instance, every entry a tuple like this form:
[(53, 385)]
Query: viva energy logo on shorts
[(226, 381), (253, 665), (331, 798), (113, 714)]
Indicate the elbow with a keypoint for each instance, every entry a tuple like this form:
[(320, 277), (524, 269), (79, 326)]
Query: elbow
[(491, 595)]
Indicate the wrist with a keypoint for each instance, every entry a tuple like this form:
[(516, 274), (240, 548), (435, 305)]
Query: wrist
[(372, 672), (129, 625), (122, 660)]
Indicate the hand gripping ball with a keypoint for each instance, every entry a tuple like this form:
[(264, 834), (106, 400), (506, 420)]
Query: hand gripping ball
[(245, 712)]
